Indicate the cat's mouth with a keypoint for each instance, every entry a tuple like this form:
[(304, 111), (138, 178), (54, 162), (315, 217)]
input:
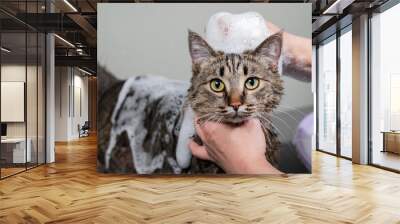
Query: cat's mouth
[(236, 118), (228, 117)]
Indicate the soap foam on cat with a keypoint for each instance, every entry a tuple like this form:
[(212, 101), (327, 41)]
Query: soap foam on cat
[(129, 116), (235, 33)]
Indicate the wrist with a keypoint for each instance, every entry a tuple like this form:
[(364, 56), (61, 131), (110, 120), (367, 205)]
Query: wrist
[(260, 165)]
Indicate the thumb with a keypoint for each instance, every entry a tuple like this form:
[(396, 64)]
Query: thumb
[(199, 151)]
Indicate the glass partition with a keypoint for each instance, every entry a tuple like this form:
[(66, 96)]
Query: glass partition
[(22, 77), (13, 110)]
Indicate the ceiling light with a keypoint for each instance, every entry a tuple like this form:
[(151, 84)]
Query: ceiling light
[(5, 50), (338, 6), (70, 5), (79, 51), (65, 41), (84, 71), (331, 7)]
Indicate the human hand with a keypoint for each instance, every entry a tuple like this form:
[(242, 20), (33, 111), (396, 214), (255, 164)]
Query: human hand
[(237, 149)]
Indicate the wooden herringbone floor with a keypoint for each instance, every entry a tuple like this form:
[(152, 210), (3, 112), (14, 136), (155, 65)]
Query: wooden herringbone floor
[(71, 191)]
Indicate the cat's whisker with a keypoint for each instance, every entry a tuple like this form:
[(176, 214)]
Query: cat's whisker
[(294, 110), (202, 116), (268, 129), (277, 117), (263, 108), (213, 111), (281, 120), (201, 120), (212, 118), (265, 129), (284, 122), (275, 127), (205, 118), (288, 114)]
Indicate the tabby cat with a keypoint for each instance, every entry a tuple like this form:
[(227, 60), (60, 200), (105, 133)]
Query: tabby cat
[(231, 87)]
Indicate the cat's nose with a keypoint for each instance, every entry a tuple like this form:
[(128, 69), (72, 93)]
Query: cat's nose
[(235, 105), (235, 99)]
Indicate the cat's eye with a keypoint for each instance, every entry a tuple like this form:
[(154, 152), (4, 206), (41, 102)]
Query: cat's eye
[(217, 85), (252, 83)]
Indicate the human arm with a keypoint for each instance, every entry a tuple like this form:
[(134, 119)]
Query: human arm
[(296, 53)]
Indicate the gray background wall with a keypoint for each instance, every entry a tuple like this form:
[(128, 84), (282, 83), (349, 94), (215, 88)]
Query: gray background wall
[(137, 39), (152, 38)]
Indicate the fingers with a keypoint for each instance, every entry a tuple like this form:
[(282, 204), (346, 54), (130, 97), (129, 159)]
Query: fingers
[(206, 129), (199, 130), (199, 151), (209, 128)]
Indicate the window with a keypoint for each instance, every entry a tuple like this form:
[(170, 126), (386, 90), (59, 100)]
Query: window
[(346, 92), (394, 116), (385, 89), (330, 134), (327, 96)]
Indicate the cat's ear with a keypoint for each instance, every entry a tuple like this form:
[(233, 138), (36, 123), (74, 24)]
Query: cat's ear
[(199, 49), (271, 47)]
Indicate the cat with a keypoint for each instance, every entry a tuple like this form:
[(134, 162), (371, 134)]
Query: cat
[(154, 116), (231, 88)]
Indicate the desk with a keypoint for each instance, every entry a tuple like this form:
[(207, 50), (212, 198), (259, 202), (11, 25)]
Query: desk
[(391, 141), (15, 148)]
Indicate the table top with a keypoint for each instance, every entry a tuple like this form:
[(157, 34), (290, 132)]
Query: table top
[(391, 132), (13, 140)]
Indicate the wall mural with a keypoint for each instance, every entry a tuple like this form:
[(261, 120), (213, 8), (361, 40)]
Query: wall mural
[(204, 89)]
